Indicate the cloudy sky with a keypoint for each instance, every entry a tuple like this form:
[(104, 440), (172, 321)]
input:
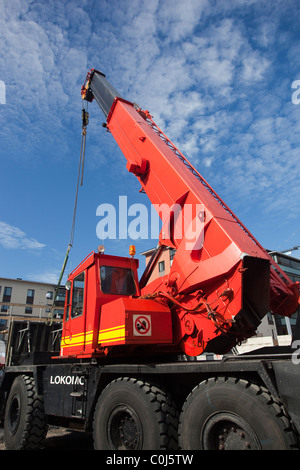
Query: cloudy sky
[(218, 76)]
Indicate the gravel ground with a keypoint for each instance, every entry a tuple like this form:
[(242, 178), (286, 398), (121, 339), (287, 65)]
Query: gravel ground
[(62, 439)]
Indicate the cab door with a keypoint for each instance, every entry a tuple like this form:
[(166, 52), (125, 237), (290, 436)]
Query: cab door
[(74, 337)]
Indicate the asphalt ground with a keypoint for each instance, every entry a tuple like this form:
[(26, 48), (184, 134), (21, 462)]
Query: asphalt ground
[(61, 439)]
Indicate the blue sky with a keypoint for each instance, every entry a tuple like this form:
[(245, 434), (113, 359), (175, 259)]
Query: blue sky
[(217, 77)]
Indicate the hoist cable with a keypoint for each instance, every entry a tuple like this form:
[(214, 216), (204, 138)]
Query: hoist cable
[(85, 120)]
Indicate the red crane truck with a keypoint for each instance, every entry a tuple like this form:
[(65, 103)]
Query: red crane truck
[(121, 365)]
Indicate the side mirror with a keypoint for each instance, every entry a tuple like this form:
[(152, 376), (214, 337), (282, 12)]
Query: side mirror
[(68, 285)]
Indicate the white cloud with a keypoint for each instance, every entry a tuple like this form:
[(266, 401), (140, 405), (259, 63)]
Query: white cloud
[(50, 276), (13, 238), (177, 19), (254, 67)]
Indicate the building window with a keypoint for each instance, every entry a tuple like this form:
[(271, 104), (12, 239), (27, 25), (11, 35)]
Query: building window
[(270, 318), (161, 267), (172, 254), (59, 300), (281, 326), (28, 309), (30, 296), (7, 294), (4, 308)]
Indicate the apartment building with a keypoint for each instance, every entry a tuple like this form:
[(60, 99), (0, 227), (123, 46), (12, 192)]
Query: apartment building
[(164, 264), (291, 266), (28, 299)]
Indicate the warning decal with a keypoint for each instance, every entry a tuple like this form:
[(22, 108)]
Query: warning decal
[(142, 325)]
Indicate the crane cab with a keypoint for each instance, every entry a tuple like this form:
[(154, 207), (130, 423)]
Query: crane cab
[(103, 309)]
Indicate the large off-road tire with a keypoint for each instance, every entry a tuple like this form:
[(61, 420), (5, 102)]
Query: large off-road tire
[(231, 414), (25, 424), (134, 415)]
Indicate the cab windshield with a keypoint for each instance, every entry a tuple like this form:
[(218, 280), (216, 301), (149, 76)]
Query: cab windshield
[(117, 281)]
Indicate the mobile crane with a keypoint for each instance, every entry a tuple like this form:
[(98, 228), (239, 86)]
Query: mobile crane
[(119, 368)]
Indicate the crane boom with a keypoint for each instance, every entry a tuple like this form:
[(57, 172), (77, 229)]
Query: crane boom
[(222, 281)]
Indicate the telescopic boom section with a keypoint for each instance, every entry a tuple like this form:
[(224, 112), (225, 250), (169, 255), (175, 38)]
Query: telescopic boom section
[(222, 281)]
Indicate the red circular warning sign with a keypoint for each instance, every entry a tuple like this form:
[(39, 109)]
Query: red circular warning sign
[(142, 325)]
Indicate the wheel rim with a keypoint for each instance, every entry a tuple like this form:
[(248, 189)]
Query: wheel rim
[(227, 431), (14, 414), (124, 429)]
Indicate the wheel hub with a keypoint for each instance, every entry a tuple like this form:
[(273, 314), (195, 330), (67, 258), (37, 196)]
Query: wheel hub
[(14, 414), (227, 431), (128, 432), (233, 438), (124, 429)]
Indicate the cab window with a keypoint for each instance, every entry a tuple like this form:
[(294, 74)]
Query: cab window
[(78, 296), (118, 281)]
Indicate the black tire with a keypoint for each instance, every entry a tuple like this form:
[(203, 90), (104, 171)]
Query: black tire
[(234, 414), (25, 424), (134, 415)]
